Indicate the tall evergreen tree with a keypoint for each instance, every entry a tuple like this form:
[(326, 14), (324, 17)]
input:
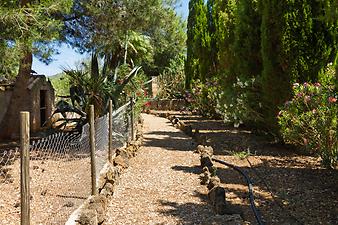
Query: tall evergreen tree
[(198, 43), (296, 46)]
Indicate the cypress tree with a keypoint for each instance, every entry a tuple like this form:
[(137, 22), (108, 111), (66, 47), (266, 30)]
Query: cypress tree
[(276, 82), (296, 46), (198, 42), (248, 60)]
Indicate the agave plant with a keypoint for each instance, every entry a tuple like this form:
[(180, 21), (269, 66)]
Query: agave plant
[(90, 86)]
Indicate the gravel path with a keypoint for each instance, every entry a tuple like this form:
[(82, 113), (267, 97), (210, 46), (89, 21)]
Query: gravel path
[(161, 186)]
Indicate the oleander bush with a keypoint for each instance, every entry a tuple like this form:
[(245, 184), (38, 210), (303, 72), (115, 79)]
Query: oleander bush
[(310, 120)]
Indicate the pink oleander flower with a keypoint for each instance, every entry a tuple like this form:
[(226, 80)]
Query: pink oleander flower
[(317, 84), (306, 84), (300, 94), (307, 98), (332, 99)]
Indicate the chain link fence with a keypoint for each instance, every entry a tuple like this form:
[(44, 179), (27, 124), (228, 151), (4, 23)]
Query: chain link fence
[(60, 170)]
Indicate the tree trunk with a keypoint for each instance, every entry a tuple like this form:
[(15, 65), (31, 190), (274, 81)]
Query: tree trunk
[(19, 100)]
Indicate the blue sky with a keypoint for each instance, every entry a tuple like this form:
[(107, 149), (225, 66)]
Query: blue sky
[(68, 57)]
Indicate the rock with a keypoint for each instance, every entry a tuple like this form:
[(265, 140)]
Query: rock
[(44, 192), (17, 204), (35, 167), (99, 203), (175, 120), (120, 161), (206, 161), (108, 190), (187, 130), (205, 177), (109, 174), (199, 149), (125, 153), (88, 217), (209, 150), (224, 219), (69, 204), (213, 182), (217, 199), (199, 138)]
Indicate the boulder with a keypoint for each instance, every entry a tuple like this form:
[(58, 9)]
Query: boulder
[(109, 174)]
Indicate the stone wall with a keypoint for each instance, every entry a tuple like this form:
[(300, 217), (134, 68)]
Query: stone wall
[(168, 104), (35, 104), (5, 96)]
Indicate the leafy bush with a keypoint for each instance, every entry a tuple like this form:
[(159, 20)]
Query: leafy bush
[(310, 120), (203, 97), (171, 81), (240, 103)]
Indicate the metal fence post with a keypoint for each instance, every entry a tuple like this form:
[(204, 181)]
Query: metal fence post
[(92, 149), (132, 118), (24, 167), (110, 140)]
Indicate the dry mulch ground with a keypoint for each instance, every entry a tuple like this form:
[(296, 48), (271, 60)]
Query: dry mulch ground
[(289, 187), (161, 186), (58, 187)]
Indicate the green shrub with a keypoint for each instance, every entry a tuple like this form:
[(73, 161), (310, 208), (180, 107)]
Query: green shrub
[(310, 120), (203, 97), (240, 103)]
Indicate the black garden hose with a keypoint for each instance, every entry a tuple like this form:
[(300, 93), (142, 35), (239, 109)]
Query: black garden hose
[(249, 183)]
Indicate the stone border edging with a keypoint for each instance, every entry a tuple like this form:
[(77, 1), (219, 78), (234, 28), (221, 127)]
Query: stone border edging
[(216, 194), (93, 210)]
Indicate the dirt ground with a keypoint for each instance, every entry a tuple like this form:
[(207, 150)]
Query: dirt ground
[(161, 186), (58, 187), (289, 187)]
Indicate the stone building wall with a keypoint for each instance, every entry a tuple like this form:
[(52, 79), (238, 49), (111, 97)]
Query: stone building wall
[(5, 96)]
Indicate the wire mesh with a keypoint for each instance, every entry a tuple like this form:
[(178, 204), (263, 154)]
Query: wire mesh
[(60, 176), (9, 186)]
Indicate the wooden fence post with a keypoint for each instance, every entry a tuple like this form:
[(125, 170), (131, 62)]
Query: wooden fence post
[(132, 118), (110, 133), (92, 149), (24, 167)]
